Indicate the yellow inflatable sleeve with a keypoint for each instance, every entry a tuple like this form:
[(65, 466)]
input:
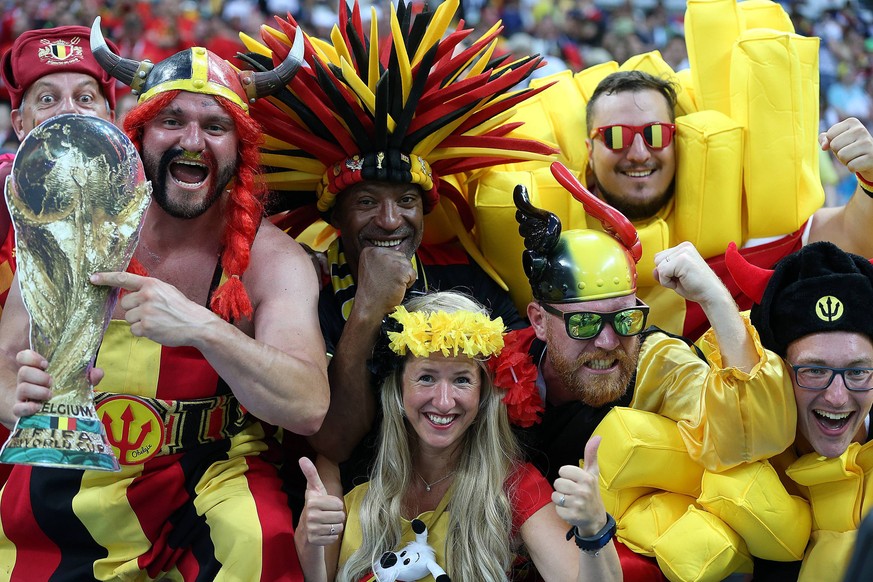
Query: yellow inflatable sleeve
[(701, 547), (751, 500)]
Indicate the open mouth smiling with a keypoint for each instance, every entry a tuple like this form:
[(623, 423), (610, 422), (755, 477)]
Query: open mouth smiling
[(386, 243), (189, 173), (832, 420), (439, 419)]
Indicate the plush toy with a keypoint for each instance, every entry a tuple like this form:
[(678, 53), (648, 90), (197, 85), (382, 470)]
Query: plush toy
[(415, 561)]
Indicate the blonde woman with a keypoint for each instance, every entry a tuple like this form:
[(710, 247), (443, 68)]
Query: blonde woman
[(448, 477)]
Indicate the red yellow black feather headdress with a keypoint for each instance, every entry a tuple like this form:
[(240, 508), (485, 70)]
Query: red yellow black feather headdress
[(413, 108)]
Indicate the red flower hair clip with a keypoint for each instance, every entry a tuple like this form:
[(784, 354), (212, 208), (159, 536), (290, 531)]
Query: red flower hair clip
[(515, 373)]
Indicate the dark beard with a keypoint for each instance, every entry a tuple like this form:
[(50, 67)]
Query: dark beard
[(223, 177), (633, 209), (599, 390)]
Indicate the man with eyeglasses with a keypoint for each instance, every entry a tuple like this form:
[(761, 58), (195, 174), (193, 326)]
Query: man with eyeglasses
[(813, 309), (588, 349)]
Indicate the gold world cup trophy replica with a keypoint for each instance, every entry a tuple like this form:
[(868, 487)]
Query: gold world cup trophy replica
[(77, 196)]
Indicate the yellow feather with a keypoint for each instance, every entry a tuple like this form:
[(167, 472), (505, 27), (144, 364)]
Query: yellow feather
[(373, 74), (276, 33), (324, 50), (272, 143), (339, 45), (291, 179), (483, 59), (404, 67), (254, 46), (367, 97), (440, 22), (305, 165)]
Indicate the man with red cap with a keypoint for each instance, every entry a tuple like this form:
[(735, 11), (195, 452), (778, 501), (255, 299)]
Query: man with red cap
[(212, 340), (48, 72)]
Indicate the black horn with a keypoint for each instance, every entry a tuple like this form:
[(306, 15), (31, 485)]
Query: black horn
[(262, 83), (128, 71)]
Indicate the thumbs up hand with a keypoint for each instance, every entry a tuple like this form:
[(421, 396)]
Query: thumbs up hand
[(323, 515), (577, 493)]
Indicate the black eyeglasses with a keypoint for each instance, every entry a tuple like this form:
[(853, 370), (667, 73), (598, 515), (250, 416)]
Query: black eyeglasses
[(620, 137), (585, 325), (820, 377)]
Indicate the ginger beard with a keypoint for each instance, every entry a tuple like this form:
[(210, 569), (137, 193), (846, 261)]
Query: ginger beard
[(594, 389), (177, 164)]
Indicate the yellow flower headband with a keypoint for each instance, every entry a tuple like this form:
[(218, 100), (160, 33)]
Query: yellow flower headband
[(465, 332)]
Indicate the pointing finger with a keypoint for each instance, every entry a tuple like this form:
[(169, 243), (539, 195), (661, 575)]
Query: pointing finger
[(127, 281)]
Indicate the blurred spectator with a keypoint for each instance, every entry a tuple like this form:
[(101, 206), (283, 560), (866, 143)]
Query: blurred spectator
[(522, 44), (675, 53), (848, 97)]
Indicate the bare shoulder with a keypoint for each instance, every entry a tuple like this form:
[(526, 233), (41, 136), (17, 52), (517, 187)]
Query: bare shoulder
[(271, 240), (279, 262)]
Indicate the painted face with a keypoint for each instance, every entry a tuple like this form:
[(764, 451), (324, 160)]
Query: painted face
[(595, 371), (441, 399), (379, 214), (57, 94), (832, 418), (638, 181), (190, 154)]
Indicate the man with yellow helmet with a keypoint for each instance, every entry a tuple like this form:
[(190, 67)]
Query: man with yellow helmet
[(587, 350)]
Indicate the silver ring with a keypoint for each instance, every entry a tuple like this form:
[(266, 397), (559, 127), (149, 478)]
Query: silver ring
[(561, 501), (332, 529)]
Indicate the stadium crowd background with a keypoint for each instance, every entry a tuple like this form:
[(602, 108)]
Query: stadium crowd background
[(573, 34)]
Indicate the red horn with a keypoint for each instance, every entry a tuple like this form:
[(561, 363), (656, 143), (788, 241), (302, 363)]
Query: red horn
[(613, 221), (751, 279)]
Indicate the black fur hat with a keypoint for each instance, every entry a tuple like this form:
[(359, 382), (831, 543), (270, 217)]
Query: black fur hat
[(817, 289)]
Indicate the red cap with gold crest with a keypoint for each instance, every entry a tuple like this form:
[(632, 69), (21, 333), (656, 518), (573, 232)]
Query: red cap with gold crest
[(38, 53)]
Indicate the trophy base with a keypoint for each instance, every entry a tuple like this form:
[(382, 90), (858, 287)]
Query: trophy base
[(52, 440)]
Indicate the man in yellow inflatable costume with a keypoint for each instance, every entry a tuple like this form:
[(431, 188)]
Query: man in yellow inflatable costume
[(588, 350), (792, 517), (727, 151)]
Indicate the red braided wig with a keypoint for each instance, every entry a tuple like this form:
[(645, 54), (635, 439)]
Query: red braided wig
[(243, 207)]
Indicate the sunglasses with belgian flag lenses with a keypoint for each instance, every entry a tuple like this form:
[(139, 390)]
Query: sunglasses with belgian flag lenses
[(618, 138), (586, 325)]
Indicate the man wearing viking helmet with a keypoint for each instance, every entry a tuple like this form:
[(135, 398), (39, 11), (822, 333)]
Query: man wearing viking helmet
[(588, 352), (203, 343), (377, 130)]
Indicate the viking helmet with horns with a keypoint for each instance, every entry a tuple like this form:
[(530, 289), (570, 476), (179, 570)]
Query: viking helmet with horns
[(195, 70), (582, 264)]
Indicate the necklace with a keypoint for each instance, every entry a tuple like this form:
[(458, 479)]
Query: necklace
[(427, 486)]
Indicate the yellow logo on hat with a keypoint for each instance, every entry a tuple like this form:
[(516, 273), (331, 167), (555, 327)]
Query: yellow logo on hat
[(60, 52), (829, 308)]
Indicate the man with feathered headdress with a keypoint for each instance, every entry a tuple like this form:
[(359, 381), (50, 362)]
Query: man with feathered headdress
[(202, 344), (376, 127)]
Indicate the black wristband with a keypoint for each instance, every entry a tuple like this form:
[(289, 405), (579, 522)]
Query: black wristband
[(598, 540)]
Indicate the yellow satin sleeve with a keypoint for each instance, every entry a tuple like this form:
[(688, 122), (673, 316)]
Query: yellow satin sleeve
[(725, 416)]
